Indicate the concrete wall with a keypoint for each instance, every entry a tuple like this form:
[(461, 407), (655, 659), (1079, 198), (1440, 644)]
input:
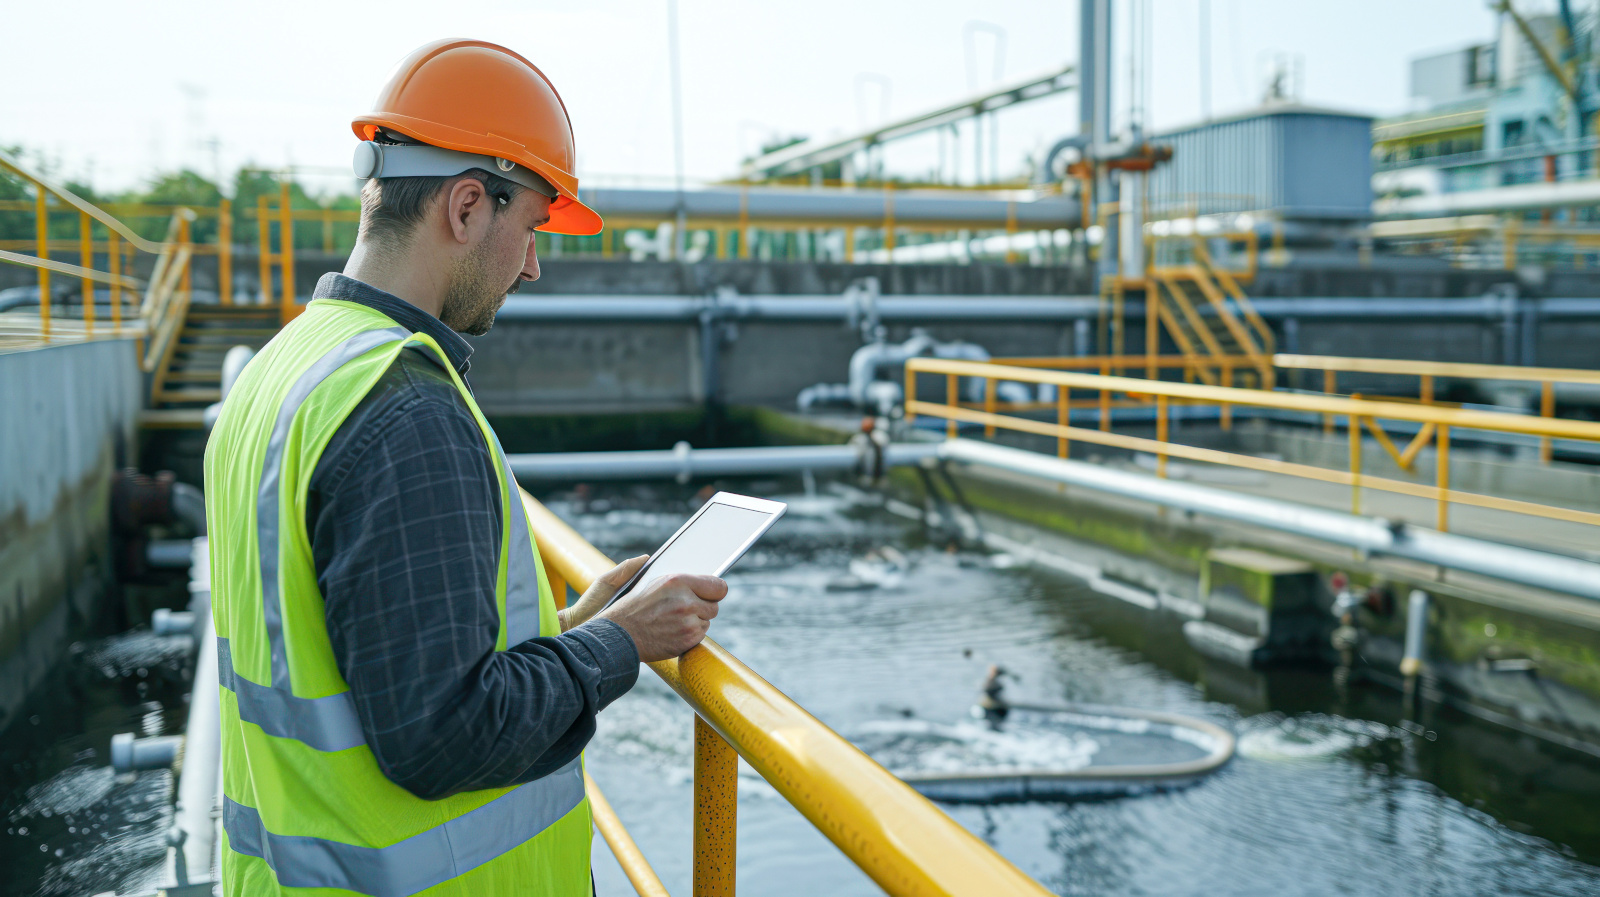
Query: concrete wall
[(67, 417), (543, 368)]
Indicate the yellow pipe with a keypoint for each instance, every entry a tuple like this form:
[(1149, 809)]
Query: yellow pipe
[(629, 857), (897, 837)]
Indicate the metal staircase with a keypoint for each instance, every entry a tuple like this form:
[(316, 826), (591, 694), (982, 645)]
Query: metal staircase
[(1212, 322), (188, 373)]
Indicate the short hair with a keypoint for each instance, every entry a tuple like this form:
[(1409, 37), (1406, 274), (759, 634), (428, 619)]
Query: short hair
[(391, 208)]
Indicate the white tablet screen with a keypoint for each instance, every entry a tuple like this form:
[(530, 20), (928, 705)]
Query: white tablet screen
[(709, 545)]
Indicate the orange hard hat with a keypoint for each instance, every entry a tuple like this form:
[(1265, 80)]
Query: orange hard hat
[(480, 98)]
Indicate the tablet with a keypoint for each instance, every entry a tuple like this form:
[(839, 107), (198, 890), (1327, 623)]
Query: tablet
[(712, 540)]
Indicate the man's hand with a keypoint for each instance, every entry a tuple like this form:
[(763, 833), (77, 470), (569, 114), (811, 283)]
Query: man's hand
[(600, 592), (667, 616)]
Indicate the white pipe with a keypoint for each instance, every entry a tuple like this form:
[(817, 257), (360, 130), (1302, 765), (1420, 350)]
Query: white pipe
[(1516, 198), (1374, 536), (1416, 630), (684, 462), (199, 783)]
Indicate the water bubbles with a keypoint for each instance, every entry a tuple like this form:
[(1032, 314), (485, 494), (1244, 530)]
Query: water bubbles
[(23, 831)]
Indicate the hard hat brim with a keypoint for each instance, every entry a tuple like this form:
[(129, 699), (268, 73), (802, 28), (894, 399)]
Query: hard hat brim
[(568, 214)]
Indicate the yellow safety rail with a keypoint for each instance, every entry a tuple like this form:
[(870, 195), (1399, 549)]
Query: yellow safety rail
[(896, 836), (166, 292), (1361, 415), (1428, 372)]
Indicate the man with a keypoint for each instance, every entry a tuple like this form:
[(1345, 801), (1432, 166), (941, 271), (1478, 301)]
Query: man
[(403, 709)]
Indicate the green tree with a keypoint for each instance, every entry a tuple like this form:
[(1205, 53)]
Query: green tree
[(180, 188)]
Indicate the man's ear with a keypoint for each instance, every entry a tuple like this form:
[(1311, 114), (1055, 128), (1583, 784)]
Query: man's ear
[(467, 208)]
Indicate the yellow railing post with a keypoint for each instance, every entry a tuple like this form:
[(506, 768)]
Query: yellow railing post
[(183, 276), (850, 245), (911, 395), (1063, 418), (989, 387), (744, 224), (1442, 478), (1227, 381), (1425, 390), (952, 397), (41, 228), (264, 247), (1011, 231), (1355, 464), (1105, 398), (327, 231), (1161, 435), (286, 309), (716, 812), (114, 266), (888, 222), (1547, 408), (1152, 327), (1330, 385), (225, 252), (86, 260)]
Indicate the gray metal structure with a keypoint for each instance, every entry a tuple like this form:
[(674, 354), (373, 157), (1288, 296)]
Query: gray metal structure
[(1297, 162)]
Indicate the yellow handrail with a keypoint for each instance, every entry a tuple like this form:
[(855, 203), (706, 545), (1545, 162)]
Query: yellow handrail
[(10, 163), (1435, 368), (1359, 412), (896, 836), (1547, 378)]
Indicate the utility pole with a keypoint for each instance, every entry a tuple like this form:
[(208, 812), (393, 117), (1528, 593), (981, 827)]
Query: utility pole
[(678, 236)]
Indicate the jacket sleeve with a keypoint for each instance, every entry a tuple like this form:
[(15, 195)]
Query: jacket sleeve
[(405, 526)]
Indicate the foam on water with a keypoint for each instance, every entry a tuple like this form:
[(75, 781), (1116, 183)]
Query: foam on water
[(921, 746), (1308, 736)]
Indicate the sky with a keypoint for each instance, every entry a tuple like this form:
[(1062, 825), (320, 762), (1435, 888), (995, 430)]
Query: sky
[(116, 92)]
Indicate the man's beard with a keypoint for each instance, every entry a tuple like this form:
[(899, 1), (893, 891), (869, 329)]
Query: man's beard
[(473, 297)]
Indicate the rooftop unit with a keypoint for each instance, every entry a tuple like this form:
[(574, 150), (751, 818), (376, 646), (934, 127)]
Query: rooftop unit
[(1290, 161)]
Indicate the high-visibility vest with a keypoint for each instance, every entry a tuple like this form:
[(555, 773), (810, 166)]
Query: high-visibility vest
[(305, 805)]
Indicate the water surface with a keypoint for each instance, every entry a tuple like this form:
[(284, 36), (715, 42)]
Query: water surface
[(1332, 791)]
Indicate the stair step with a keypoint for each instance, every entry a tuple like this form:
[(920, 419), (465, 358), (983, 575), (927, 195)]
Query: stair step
[(234, 313), (172, 418), (208, 375), (230, 332), (189, 395)]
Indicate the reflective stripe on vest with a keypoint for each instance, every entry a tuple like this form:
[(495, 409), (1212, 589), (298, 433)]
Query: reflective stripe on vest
[(420, 861)]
